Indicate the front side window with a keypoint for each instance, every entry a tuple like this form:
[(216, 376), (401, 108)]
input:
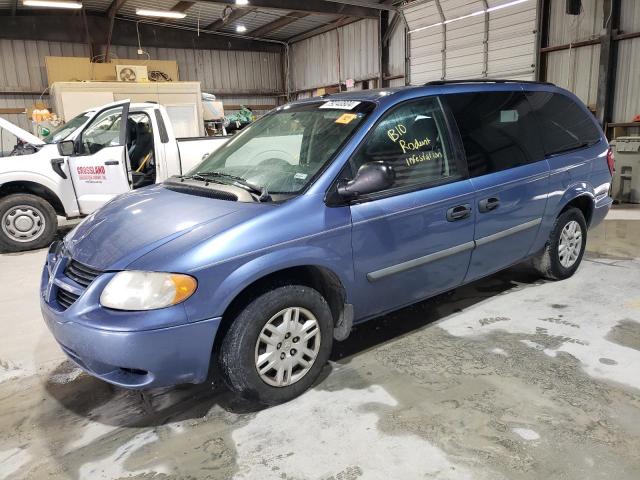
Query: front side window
[(564, 126), (284, 150), (412, 138), (66, 129), (498, 130), (104, 131)]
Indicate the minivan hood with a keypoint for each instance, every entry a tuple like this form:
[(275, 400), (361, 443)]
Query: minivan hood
[(138, 222), (20, 133)]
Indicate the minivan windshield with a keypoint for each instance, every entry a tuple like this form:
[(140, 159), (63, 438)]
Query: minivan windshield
[(284, 150), (66, 129)]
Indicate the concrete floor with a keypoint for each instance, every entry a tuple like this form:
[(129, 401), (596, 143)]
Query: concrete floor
[(508, 378)]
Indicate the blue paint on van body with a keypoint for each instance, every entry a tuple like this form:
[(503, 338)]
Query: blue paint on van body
[(229, 245)]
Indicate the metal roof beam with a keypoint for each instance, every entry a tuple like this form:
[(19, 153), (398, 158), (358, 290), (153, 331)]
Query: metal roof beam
[(182, 6), (69, 28), (114, 7), (277, 24), (111, 15), (383, 5), (235, 15), (313, 6)]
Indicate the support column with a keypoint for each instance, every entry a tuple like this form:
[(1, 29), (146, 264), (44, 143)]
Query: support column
[(608, 60), (383, 48)]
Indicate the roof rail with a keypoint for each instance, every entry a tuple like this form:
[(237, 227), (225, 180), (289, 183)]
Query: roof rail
[(485, 80)]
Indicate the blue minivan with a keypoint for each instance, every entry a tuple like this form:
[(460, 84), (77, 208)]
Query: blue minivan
[(322, 214)]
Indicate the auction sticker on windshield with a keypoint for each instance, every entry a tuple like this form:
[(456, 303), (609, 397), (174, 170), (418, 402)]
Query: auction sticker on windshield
[(340, 104), (346, 118)]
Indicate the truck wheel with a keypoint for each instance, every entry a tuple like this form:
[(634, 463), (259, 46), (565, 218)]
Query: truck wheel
[(26, 222), (277, 346), (564, 249)]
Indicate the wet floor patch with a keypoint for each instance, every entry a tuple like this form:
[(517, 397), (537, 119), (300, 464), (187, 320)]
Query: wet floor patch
[(473, 406), (626, 333)]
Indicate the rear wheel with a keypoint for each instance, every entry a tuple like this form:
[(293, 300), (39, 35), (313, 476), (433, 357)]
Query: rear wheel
[(277, 346), (563, 252), (26, 222)]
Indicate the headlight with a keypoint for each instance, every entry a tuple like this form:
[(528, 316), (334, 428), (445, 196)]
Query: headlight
[(135, 290)]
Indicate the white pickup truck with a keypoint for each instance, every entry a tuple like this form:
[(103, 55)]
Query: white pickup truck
[(84, 164)]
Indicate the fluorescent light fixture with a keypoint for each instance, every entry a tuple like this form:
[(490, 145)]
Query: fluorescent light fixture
[(143, 12), (52, 4), (241, 28), (242, 2), (474, 14)]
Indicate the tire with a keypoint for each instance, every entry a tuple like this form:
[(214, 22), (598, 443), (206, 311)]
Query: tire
[(550, 262), (17, 234), (241, 350)]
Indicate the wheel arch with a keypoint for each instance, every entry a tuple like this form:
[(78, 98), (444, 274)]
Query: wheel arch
[(319, 277), (585, 202), (33, 188)]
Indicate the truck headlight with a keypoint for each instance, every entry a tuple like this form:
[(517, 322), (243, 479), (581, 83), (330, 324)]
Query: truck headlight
[(137, 290)]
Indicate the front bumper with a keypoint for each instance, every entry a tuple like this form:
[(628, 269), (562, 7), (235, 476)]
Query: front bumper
[(137, 359), (136, 350)]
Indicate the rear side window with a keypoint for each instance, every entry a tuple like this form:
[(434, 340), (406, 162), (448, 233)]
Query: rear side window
[(564, 126), (498, 130)]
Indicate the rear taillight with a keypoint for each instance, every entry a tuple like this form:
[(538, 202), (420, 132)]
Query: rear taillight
[(611, 161)]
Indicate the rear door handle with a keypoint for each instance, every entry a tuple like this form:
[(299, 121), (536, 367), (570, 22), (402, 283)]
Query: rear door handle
[(487, 204), (112, 162), (459, 212)]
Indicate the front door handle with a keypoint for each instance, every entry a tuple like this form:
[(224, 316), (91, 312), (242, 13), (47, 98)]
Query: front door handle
[(112, 162), (459, 212), (487, 204)]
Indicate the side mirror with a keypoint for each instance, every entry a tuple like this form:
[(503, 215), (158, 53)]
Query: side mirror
[(66, 148), (371, 177)]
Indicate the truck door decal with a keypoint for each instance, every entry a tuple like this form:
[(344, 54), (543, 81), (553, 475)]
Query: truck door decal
[(92, 174)]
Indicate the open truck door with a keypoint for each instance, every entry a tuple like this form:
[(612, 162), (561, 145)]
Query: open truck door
[(98, 164)]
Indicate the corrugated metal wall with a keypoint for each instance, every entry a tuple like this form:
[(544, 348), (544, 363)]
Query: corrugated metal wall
[(236, 77), (627, 94), (397, 53), (220, 71), (575, 69), (347, 52), (471, 38), (22, 67), (426, 44)]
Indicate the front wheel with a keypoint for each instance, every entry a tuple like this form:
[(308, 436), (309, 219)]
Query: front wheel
[(564, 250), (277, 346), (26, 222)]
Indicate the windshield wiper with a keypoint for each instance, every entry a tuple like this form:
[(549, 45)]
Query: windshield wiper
[(260, 191)]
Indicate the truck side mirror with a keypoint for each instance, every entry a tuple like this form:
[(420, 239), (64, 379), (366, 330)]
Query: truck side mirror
[(66, 148), (371, 177)]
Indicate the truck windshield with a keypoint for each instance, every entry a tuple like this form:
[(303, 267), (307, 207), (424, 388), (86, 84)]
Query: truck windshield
[(283, 151), (66, 129)]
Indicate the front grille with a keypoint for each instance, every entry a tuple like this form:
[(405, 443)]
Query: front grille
[(65, 298), (80, 273)]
